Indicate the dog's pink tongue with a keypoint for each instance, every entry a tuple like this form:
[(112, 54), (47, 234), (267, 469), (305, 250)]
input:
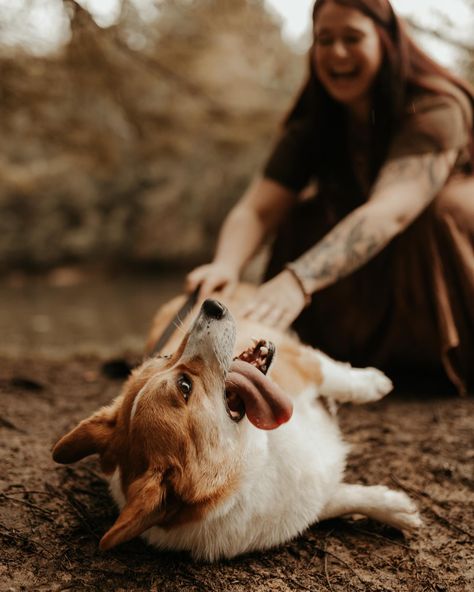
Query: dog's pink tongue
[(266, 405)]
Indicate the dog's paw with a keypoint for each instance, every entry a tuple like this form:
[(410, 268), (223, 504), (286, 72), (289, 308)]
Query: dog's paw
[(398, 510), (369, 384)]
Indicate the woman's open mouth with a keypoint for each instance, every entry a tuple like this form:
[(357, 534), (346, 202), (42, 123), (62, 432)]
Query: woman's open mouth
[(260, 355), (343, 75)]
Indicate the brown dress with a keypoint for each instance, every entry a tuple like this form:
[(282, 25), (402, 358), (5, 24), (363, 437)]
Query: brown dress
[(412, 306)]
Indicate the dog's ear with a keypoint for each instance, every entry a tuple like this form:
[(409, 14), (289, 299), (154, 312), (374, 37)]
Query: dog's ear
[(143, 509), (91, 436)]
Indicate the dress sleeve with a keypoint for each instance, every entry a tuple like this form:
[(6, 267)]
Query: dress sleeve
[(433, 123), (290, 163)]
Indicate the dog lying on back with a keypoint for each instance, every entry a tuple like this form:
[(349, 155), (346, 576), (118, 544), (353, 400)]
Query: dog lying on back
[(207, 453)]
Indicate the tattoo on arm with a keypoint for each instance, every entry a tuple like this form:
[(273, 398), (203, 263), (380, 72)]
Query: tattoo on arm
[(430, 169), (346, 248), (355, 240)]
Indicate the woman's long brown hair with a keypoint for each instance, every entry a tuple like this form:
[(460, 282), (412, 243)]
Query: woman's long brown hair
[(404, 68)]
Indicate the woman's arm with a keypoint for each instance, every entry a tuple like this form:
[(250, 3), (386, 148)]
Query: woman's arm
[(260, 210), (403, 189)]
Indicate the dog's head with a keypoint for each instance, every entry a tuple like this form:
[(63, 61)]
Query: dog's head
[(175, 434)]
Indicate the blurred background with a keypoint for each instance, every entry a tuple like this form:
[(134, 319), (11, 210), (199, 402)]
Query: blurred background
[(128, 128)]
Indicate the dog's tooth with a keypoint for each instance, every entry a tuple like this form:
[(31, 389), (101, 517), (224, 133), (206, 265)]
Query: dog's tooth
[(264, 368), (264, 350)]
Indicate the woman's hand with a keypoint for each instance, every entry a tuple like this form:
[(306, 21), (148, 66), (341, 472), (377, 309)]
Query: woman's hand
[(212, 277), (277, 302), (259, 212)]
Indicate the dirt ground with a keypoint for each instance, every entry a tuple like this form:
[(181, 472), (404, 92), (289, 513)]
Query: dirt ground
[(52, 517)]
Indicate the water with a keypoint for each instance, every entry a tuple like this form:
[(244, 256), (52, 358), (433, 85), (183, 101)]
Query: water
[(74, 312)]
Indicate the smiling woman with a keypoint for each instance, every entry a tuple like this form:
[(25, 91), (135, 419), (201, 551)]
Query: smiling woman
[(348, 55), (370, 190)]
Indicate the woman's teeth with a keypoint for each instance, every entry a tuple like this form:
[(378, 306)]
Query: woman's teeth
[(348, 74)]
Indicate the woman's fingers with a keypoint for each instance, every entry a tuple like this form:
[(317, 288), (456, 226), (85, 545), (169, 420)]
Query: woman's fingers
[(229, 289), (276, 317), (211, 277), (259, 311), (277, 303), (194, 278), (210, 285), (269, 313)]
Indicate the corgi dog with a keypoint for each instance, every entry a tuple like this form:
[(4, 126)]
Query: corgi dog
[(230, 443)]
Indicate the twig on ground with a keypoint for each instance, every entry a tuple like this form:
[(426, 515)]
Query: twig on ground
[(6, 423), (45, 513), (326, 571), (24, 491), (325, 551), (79, 511), (378, 536), (300, 585), (78, 585), (363, 582), (17, 536), (107, 572)]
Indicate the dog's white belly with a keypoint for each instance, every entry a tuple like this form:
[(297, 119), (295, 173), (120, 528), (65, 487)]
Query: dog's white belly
[(289, 476)]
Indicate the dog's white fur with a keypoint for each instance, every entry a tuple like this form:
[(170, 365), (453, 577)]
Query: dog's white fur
[(277, 482)]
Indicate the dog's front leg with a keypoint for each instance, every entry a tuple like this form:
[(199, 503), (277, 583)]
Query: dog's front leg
[(377, 501)]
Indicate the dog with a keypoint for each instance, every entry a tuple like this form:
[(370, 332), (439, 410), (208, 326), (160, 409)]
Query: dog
[(230, 444)]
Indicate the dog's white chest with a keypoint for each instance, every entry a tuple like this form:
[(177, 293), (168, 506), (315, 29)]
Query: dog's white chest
[(289, 474)]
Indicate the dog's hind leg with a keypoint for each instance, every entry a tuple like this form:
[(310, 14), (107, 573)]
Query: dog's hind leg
[(346, 384), (377, 502)]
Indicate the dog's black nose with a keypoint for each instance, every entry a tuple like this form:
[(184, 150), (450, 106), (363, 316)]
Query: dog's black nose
[(214, 309)]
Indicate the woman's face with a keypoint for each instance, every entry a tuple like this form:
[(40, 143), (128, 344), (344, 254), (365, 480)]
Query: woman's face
[(347, 54)]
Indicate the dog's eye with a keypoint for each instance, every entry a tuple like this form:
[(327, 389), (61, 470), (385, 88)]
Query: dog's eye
[(185, 386)]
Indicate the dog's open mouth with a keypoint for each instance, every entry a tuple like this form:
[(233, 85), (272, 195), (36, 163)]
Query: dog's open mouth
[(260, 355), (249, 392)]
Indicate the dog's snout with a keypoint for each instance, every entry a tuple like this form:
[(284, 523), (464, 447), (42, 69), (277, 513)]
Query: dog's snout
[(214, 309)]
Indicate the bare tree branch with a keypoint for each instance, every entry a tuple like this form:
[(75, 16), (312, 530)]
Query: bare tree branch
[(440, 35)]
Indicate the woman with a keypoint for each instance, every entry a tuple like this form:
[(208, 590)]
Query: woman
[(377, 267)]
